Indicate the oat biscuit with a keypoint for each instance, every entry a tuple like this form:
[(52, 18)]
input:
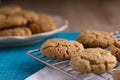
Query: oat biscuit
[(92, 38), (115, 49), (30, 16), (44, 24), (10, 10), (94, 60), (60, 48), (19, 31), (116, 74), (12, 21)]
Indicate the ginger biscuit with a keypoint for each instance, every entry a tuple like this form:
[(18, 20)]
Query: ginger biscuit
[(18, 31), (94, 60), (60, 48), (44, 24), (10, 10), (12, 21), (115, 49), (92, 38), (29, 15), (116, 74)]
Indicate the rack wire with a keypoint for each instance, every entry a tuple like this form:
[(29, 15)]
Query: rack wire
[(63, 66)]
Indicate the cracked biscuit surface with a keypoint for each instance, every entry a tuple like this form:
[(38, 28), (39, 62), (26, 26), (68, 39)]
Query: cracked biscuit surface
[(92, 38), (19, 31), (9, 10), (44, 24), (115, 49), (12, 21), (60, 48), (94, 60)]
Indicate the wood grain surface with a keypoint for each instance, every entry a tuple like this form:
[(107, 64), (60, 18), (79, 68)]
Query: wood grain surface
[(81, 14)]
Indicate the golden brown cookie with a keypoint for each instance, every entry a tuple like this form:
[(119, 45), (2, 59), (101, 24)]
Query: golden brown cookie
[(115, 49), (116, 74), (30, 16), (2, 17), (12, 21), (19, 31), (92, 38), (60, 48), (10, 10), (44, 24), (94, 60)]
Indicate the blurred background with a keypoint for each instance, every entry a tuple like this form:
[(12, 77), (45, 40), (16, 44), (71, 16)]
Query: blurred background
[(81, 14)]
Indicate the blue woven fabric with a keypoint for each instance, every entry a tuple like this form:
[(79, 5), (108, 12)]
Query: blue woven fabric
[(15, 64)]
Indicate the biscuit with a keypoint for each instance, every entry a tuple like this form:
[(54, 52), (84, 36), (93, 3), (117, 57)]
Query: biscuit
[(116, 74), (44, 24), (2, 17), (10, 10), (30, 16), (92, 38), (60, 48), (12, 21), (115, 49), (94, 60), (19, 31)]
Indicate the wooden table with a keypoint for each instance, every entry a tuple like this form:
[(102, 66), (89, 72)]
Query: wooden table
[(82, 14)]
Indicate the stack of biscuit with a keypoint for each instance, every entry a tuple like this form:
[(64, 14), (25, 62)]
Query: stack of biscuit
[(15, 21), (86, 54)]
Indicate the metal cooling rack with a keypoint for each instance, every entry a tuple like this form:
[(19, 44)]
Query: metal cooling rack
[(63, 66)]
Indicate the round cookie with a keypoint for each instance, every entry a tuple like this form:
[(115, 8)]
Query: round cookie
[(60, 48), (44, 24), (116, 74), (19, 31), (10, 10), (92, 38), (115, 49), (94, 60), (30, 16), (12, 21)]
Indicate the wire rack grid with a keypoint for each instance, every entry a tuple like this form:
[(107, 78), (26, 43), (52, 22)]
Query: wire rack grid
[(63, 66)]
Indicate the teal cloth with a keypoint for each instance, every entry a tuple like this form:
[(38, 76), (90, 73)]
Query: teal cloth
[(15, 64)]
